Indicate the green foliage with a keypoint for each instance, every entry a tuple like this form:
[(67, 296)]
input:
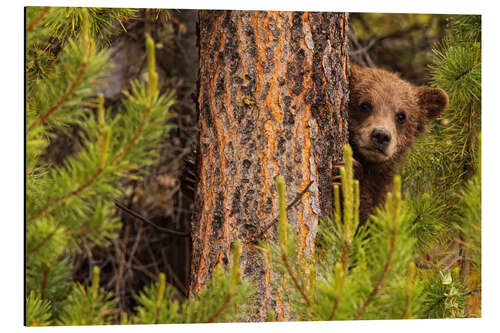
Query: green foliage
[(451, 150), (49, 29), (369, 272), (469, 211), (63, 22), (223, 299), (226, 297), (100, 20), (427, 220), (443, 294), (38, 312), (70, 206), (157, 304), (442, 177), (358, 273), (88, 305)]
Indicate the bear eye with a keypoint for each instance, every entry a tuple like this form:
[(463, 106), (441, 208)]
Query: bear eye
[(401, 117), (365, 107)]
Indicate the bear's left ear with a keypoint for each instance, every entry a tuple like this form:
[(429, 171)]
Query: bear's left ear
[(433, 101)]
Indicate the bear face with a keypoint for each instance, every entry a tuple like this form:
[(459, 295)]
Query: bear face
[(386, 113)]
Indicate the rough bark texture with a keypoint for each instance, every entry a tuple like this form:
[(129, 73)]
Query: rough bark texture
[(273, 92)]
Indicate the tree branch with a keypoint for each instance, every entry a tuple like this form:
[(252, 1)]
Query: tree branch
[(379, 283), (294, 278), (37, 20), (51, 206), (143, 219), (220, 310), (41, 119)]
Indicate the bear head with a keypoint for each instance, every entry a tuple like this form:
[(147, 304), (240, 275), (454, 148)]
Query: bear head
[(386, 113)]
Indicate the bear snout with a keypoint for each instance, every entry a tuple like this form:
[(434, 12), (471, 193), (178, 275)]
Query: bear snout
[(380, 137)]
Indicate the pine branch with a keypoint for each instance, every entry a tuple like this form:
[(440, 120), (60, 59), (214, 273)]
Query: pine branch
[(42, 243), (409, 282), (335, 307), (345, 255), (79, 78), (85, 232), (44, 280), (56, 202), (404, 315), (41, 119), (37, 20), (381, 280), (152, 88), (294, 278), (393, 206), (134, 139), (220, 310), (464, 73)]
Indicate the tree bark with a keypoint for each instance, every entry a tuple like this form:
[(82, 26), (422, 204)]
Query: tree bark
[(272, 100)]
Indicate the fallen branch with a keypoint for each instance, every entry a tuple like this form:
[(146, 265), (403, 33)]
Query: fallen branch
[(143, 219)]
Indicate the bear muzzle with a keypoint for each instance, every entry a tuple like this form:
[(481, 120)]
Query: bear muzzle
[(380, 138)]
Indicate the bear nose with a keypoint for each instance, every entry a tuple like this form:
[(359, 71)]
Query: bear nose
[(381, 137)]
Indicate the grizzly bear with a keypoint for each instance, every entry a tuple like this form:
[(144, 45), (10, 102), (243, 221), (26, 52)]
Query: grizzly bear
[(386, 114)]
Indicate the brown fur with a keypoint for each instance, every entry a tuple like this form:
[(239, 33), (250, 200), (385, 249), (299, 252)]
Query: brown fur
[(389, 96)]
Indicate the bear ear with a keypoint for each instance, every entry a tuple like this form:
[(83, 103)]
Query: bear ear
[(355, 72), (433, 101)]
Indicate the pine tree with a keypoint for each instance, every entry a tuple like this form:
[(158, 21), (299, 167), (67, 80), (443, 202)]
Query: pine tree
[(224, 299), (442, 178), (357, 273), (70, 207)]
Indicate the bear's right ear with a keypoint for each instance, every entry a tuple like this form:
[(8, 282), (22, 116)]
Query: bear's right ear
[(355, 71), (432, 100)]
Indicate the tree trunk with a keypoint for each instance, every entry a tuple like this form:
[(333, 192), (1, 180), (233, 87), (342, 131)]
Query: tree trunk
[(273, 93)]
